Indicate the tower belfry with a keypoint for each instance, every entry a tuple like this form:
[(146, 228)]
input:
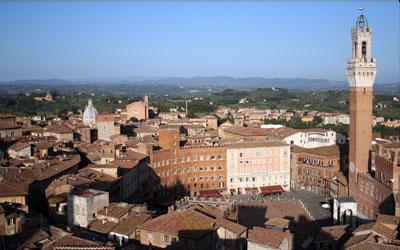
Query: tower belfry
[(361, 71)]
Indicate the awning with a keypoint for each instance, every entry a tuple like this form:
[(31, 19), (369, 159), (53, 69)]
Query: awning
[(211, 193), (251, 190), (232, 190), (271, 189)]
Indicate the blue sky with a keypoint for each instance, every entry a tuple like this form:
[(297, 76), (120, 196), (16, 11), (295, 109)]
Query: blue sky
[(78, 40)]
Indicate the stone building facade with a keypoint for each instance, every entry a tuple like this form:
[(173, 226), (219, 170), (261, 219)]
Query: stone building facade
[(84, 205), (138, 110), (105, 126), (378, 193), (313, 168)]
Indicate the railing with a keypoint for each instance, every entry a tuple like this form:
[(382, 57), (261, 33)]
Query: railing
[(202, 146), (216, 201), (361, 60)]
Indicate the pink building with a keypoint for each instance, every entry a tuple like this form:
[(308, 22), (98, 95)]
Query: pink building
[(252, 165)]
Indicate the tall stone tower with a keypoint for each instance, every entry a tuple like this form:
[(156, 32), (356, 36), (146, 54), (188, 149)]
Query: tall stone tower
[(361, 71)]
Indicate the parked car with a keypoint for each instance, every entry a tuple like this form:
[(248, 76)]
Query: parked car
[(325, 205)]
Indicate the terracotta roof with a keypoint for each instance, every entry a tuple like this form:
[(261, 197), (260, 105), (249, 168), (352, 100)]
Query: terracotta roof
[(105, 117), (72, 242), (212, 193), (281, 133), (133, 155), (5, 125), (19, 146), (102, 226), (243, 131), (129, 225), (231, 226), (355, 239), (364, 227), (116, 210), (58, 129), (7, 190), (87, 177), (274, 239), (187, 223), (127, 164), (328, 150), (209, 210), (331, 233), (44, 145), (21, 178), (368, 245)]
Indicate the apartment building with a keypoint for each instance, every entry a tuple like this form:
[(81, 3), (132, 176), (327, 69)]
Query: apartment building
[(257, 164)]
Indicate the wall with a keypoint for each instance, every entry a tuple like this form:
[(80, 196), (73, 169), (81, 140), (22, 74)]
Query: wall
[(13, 199), (81, 209), (267, 165), (8, 133), (26, 152), (191, 169), (105, 130)]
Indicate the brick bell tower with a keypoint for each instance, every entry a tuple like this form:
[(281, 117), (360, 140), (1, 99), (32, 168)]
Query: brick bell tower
[(361, 71)]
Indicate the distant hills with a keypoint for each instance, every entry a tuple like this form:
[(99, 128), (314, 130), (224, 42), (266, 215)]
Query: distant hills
[(212, 82)]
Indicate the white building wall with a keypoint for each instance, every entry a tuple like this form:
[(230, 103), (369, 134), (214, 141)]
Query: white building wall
[(315, 139), (26, 152), (82, 210), (105, 130)]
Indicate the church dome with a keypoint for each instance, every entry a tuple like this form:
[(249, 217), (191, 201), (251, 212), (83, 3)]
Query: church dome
[(89, 115)]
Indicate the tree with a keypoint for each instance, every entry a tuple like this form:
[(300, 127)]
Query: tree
[(133, 119), (317, 120)]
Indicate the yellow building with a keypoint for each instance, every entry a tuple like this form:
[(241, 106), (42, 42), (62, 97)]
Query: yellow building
[(393, 124), (12, 195), (307, 119)]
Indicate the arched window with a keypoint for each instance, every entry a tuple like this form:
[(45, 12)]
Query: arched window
[(364, 49)]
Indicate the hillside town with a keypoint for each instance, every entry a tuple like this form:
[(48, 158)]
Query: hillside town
[(138, 178)]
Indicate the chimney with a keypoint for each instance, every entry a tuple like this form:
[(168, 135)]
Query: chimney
[(143, 148)]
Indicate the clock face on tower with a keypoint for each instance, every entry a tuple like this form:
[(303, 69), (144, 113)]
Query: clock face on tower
[(352, 167)]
